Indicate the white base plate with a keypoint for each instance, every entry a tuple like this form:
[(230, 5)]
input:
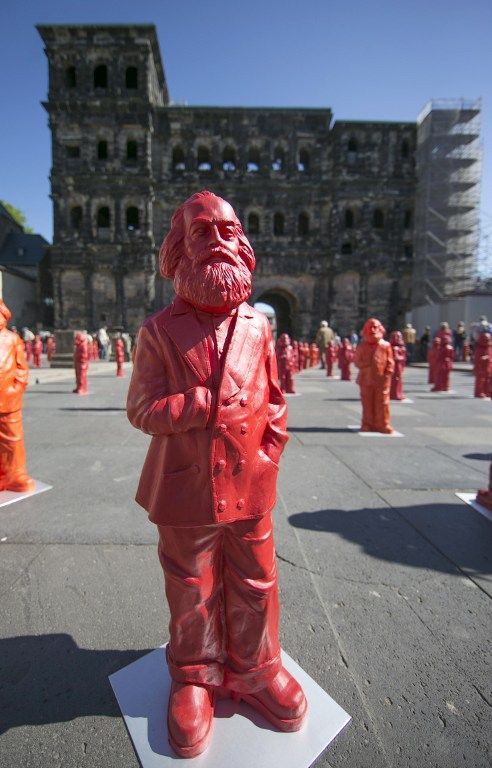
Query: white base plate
[(471, 499), (356, 428), (292, 394), (241, 736), (9, 497)]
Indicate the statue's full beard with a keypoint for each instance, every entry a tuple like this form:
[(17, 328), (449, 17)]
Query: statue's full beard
[(216, 288)]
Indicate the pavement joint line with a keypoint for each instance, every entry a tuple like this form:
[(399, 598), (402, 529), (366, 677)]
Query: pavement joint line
[(340, 648), (441, 453), (482, 695), (43, 544), (24, 570), (464, 573), (295, 565)]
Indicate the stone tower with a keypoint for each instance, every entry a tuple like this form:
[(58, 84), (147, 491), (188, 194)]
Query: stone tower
[(105, 84)]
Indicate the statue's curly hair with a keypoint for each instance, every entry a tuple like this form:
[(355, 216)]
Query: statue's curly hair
[(172, 248)]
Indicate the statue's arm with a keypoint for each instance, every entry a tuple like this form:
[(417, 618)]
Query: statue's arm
[(148, 408), (275, 435)]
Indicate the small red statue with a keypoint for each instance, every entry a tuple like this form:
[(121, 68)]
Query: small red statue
[(37, 351), (331, 356), (482, 365), (301, 355), (14, 374), (119, 353), (50, 347), (484, 496), (307, 355), (285, 364), (313, 355), (28, 348), (94, 349), (444, 363), (81, 363), (295, 352), (432, 359), (345, 358), (205, 386), (400, 358), (374, 359)]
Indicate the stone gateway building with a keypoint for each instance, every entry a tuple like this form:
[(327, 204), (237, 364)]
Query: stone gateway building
[(328, 206)]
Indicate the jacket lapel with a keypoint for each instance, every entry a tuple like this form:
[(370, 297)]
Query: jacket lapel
[(246, 342), (186, 333)]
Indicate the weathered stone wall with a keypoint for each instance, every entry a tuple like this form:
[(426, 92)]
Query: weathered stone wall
[(328, 208)]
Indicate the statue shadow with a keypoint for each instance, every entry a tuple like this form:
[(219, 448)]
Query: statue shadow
[(451, 538), (93, 409), (49, 679), (315, 430), (478, 456)]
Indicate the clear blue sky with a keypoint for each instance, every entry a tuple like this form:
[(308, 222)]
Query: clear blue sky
[(365, 59)]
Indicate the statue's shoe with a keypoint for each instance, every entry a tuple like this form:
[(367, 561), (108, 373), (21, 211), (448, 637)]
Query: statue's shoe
[(20, 483), (282, 702), (190, 718)]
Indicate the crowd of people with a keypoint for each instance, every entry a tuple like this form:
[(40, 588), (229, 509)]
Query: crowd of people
[(439, 351)]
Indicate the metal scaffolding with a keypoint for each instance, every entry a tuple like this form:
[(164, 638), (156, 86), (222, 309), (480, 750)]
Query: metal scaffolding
[(447, 201)]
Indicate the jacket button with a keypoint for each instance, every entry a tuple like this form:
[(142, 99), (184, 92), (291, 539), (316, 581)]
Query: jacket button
[(243, 402), (240, 503), (243, 429), (241, 464), (221, 464), (221, 505), (222, 428)]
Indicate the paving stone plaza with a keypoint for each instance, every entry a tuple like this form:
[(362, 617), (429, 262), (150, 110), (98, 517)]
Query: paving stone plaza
[(385, 574)]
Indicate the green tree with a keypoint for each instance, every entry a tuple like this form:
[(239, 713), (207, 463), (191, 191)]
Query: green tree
[(18, 215)]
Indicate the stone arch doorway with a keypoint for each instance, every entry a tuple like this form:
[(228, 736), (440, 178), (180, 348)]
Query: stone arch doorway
[(284, 309)]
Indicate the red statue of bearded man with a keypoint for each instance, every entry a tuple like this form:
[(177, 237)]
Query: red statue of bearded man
[(14, 374), (205, 386), (374, 359)]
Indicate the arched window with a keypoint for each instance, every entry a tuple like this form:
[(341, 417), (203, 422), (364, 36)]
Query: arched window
[(253, 165), (71, 77), (278, 163), (352, 145), (131, 150), (378, 219), (131, 77), (346, 248), (405, 149), (179, 164), (407, 252), (229, 162), (203, 159), (76, 217), (349, 219), (408, 219), (303, 164), (303, 224), (253, 224), (132, 218), (278, 224), (103, 218), (102, 150), (101, 76)]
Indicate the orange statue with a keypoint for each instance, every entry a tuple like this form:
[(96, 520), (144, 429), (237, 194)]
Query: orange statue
[(345, 358), (14, 375), (374, 359)]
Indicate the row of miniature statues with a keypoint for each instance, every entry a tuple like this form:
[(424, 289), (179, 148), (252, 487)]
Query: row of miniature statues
[(84, 351), (295, 356)]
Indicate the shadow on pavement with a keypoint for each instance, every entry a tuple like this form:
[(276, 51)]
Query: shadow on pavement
[(450, 538), (93, 409), (320, 429), (49, 679), (478, 456)]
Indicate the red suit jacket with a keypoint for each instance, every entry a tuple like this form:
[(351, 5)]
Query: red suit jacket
[(215, 445)]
